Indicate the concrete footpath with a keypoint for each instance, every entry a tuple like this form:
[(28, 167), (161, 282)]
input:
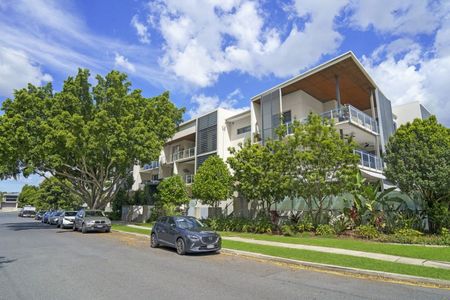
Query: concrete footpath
[(378, 256)]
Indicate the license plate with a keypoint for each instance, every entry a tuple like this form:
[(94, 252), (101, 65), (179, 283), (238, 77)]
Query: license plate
[(210, 246), (98, 226)]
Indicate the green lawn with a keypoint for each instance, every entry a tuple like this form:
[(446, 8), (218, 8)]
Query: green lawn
[(340, 260), (130, 229), (413, 251), (149, 225)]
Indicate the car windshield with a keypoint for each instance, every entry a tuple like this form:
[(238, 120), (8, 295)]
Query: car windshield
[(57, 214), (189, 223), (70, 213), (94, 213)]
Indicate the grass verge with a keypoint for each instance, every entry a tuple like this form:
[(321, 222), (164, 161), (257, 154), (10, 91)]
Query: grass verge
[(413, 251), (340, 260), (130, 229), (149, 225)]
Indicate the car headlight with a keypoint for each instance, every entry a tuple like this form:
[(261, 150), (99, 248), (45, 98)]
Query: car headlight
[(193, 238), (108, 222), (90, 222)]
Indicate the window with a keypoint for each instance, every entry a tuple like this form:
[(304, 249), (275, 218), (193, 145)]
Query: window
[(287, 118), (243, 130), (155, 177)]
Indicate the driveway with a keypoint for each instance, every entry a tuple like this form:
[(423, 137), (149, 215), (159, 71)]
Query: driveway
[(39, 261)]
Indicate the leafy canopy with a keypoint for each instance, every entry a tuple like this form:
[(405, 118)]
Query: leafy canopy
[(212, 182), (89, 136), (172, 193), (418, 159)]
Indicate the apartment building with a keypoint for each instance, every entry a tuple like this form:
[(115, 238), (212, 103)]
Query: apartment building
[(194, 141), (407, 112), (339, 89), (9, 202)]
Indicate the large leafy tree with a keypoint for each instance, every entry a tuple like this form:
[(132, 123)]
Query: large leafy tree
[(29, 196), (172, 193), (49, 194), (89, 136), (322, 163), (260, 173), (212, 182), (418, 161)]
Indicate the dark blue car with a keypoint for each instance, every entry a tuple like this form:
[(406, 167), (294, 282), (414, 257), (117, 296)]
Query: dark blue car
[(186, 234)]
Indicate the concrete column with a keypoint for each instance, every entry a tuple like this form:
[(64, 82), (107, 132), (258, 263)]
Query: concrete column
[(377, 137), (338, 92)]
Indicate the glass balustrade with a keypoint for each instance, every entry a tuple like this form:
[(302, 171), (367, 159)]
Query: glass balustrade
[(369, 160)]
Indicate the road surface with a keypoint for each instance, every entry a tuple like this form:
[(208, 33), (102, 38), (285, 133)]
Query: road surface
[(39, 261)]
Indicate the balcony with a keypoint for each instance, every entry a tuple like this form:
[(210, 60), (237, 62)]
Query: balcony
[(184, 154), (189, 179), (151, 166), (368, 160), (149, 182), (353, 115)]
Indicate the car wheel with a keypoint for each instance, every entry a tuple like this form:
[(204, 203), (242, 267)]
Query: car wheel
[(108, 230), (181, 246), (57, 225), (83, 228), (153, 241)]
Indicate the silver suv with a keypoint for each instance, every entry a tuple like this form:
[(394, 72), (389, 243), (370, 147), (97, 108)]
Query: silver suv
[(91, 220)]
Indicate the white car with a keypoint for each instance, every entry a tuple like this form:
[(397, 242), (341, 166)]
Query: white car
[(66, 219)]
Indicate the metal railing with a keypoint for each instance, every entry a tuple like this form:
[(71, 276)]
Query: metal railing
[(151, 166), (189, 178), (188, 153), (369, 160), (352, 114)]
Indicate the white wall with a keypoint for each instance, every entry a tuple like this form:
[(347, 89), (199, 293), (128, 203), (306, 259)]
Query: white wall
[(407, 112), (234, 138), (301, 104)]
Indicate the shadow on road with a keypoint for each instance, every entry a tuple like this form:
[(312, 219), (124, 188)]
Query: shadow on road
[(170, 249), (26, 226), (3, 261)]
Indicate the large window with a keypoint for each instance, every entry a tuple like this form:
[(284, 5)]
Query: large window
[(244, 129)]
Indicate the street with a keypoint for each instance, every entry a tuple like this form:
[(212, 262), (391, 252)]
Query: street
[(39, 261)]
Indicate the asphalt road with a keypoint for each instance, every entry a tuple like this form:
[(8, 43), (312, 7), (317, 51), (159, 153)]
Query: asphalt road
[(39, 261)]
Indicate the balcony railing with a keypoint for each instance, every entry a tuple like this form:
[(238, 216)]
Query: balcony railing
[(149, 182), (188, 153), (151, 166), (369, 160), (189, 179), (352, 114)]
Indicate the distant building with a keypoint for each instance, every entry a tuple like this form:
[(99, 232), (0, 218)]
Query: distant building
[(409, 111), (9, 202)]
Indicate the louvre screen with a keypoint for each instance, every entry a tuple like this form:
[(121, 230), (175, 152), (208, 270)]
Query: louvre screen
[(270, 114), (201, 159), (207, 133), (387, 119)]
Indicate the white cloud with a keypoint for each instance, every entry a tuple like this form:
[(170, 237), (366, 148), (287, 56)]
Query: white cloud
[(235, 35), (413, 74), (17, 70), (141, 30), (202, 104), (396, 16), (122, 62)]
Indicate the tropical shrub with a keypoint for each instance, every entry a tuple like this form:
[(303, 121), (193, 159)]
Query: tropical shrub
[(340, 223), (325, 229), (367, 232)]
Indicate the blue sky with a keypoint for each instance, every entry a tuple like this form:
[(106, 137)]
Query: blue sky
[(211, 53)]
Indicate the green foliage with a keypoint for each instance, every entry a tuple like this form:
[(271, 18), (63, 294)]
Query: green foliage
[(340, 223), (260, 173), (29, 196), (212, 182), (367, 232), (288, 230), (418, 160), (261, 224), (51, 194), (325, 229), (172, 193), (88, 136), (314, 153)]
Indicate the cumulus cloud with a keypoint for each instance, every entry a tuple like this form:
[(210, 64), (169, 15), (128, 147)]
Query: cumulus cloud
[(122, 62), (202, 104), (17, 70), (141, 30), (236, 35)]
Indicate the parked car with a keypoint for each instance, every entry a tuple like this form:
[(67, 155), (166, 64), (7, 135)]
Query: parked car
[(39, 215), (46, 216), (66, 219), (54, 217), (186, 234), (91, 220), (27, 212)]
